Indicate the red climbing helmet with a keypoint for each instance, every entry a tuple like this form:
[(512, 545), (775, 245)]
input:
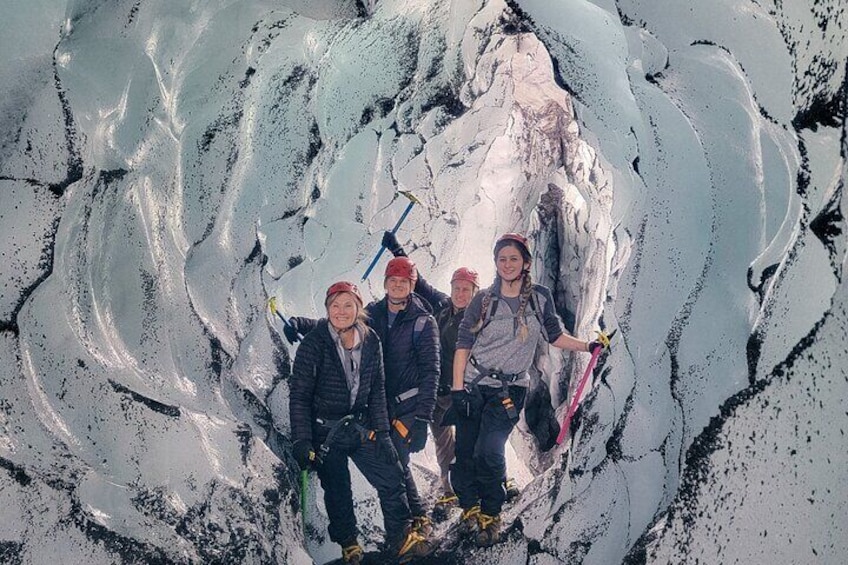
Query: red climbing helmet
[(466, 274), (403, 267), (344, 286), (517, 238)]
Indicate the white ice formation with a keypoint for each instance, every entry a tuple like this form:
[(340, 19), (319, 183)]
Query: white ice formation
[(165, 167)]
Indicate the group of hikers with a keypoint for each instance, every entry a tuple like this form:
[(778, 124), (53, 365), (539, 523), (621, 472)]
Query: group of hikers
[(370, 382)]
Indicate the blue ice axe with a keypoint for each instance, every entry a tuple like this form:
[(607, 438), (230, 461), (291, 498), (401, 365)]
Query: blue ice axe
[(412, 202), (272, 305)]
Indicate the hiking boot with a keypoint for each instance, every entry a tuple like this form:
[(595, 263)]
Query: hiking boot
[(443, 506), (490, 530), (423, 526), (414, 546), (352, 552), (468, 520), (511, 489)]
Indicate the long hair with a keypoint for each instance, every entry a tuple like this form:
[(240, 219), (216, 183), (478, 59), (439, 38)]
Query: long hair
[(487, 300)]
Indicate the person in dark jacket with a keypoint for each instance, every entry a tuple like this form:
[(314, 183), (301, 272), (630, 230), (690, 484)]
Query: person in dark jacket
[(338, 412), (448, 311), (495, 347), (410, 339)]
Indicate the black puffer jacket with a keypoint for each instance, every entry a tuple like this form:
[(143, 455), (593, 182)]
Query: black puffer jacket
[(408, 365), (448, 322), (319, 387)]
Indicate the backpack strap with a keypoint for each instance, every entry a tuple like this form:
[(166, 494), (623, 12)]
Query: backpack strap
[(490, 311), (534, 305), (420, 322)]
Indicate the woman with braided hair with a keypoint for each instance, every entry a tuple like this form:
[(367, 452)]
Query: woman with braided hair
[(495, 347)]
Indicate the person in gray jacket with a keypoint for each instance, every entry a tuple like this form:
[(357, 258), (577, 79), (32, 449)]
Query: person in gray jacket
[(448, 309), (495, 347)]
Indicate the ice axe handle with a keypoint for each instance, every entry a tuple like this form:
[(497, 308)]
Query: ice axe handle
[(272, 304), (566, 423), (304, 483), (394, 231), (287, 323)]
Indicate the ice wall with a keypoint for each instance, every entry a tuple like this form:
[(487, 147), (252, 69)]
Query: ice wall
[(166, 167)]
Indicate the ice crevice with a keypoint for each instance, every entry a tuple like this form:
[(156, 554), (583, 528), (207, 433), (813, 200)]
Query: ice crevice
[(45, 208)]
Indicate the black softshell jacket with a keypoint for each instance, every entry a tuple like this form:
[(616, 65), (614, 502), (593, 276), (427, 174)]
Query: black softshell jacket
[(319, 387), (448, 322), (410, 362)]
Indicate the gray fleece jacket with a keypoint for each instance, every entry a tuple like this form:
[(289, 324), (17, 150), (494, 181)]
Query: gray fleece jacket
[(498, 346)]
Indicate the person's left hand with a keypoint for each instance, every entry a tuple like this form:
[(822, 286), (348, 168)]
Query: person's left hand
[(418, 436), (386, 449), (391, 243), (291, 331)]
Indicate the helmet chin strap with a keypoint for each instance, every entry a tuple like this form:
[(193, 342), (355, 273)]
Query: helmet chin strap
[(398, 302)]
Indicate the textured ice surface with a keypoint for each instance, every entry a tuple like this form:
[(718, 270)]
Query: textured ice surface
[(166, 167)]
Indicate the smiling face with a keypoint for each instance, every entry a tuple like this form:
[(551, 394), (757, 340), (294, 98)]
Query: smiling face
[(342, 310), (461, 293), (398, 288), (510, 263)]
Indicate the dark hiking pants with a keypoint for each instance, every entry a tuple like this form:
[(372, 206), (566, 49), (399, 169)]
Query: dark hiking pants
[(478, 473), (387, 479), (416, 506)]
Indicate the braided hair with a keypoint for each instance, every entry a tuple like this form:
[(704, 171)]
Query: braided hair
[(523, 300), (487, 300)]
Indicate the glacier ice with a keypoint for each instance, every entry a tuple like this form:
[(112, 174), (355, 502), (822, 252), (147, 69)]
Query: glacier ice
[(166, 167)]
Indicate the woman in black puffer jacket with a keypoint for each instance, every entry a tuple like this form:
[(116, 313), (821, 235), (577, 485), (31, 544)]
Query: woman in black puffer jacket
[(338, 388)]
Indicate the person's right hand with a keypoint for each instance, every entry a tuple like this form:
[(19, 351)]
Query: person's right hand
[(390, 242), (304, 454), (461, 402), (290, 330), (417, 437), (386, 451)]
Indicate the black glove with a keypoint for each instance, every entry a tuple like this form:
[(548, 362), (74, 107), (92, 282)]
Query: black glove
[(304, 454), (390, 242), (418, 436), (595, 344), (461, 403), (386, 451), (291, 330)]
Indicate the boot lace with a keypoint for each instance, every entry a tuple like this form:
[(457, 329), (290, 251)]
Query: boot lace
[(350, 552), (486, 521)]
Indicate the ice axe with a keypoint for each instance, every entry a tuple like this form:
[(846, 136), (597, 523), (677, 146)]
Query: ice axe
[(566, 422), (304, 485), (272, 305), (412, 202)]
